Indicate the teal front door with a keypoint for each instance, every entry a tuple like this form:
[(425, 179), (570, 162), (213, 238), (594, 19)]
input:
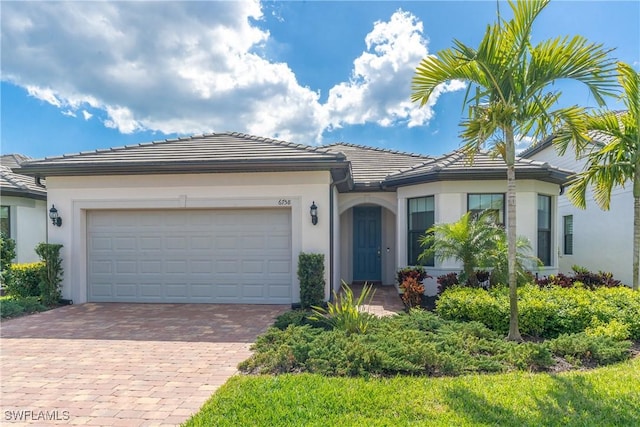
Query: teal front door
[(367, 232)]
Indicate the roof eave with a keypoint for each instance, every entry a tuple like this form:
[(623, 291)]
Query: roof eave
[(546, 175), (17, 192), (150, 168)]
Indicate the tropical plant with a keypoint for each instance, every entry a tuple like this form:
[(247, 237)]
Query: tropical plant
[(467, 240), (510, 95), (346, 312), (412, 292), (498, 256), (616, 163)]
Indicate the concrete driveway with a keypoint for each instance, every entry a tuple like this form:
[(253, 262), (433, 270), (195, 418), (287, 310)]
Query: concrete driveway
[(122, 364)]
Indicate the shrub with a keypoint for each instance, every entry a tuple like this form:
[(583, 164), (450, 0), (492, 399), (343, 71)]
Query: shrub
[(415, 343), (311, 277), (416, 272), (412, 292), (12, 306), (580, 276), (581, 348), (614, 329), (490, 308), (279, 351), (446, 281), (296, 318), (7, 255), (529, 356), (25, 279), (52, 273), (345, 313), (545, 312)]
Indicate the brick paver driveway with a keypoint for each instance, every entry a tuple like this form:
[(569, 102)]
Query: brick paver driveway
[(122, 364)]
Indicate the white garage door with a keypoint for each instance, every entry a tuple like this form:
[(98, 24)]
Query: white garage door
[(195, 256)]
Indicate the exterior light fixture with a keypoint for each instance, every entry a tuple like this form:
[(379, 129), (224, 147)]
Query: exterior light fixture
[(314, 213), (53, 215)]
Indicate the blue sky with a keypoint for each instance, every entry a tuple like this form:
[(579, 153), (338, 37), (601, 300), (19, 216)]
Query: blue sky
[(86, 75)]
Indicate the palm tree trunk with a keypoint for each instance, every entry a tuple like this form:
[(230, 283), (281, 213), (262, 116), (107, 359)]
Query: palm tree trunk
[(636, 242), (636, 226), (510, 154)]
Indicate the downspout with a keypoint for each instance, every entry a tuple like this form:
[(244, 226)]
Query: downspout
[(331, 237)]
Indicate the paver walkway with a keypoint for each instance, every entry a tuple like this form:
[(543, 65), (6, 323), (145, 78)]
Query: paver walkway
[(122, 364), (129, 364)]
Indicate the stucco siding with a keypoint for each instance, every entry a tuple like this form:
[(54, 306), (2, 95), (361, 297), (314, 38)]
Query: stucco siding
[(294, 191), (29, 219), (602, 240), (451, 204)]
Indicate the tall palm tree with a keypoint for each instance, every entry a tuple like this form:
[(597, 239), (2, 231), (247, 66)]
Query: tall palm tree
[(615, 163), (510, 95)]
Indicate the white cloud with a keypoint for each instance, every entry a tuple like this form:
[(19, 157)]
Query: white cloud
[(68, 113), (379, 88), (523, 142), (193, 67)]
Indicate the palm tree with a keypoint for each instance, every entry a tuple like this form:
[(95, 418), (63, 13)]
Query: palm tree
[(467, 240), (510, 95), (615, 163)]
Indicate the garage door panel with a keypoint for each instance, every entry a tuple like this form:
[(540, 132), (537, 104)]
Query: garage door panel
[(125, 290), (224, 256)]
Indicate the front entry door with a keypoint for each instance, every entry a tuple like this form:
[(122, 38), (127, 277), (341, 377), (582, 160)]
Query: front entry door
[(367, 233)]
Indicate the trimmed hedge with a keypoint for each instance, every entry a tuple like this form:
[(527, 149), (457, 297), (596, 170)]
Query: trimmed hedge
[(547, 312), (311, 276), (24, 279)]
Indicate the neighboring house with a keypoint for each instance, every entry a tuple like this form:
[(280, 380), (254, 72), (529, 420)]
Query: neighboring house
[(23, 208), (223, 217), (593, 238)]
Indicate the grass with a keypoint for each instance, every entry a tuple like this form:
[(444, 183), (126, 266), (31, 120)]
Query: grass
[(608, 396)]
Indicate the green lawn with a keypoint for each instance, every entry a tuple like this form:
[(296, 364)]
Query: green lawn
[(608, 396)]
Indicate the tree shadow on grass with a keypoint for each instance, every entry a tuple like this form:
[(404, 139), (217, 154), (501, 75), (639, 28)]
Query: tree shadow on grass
[(570, 401)]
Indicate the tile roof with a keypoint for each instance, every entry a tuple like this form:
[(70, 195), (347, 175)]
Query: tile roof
[(218, 152), (458, 166), (597, 138), (13, 184), (370, 166)]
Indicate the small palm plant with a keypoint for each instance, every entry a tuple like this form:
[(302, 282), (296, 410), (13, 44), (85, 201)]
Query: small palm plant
[(346, 312), (467, 240)]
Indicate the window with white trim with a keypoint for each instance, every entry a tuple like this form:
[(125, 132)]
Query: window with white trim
[(492, 202), (421, 216), (5, 220), (544, 229)]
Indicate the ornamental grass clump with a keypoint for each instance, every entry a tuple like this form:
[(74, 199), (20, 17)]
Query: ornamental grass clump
[(346, 312)]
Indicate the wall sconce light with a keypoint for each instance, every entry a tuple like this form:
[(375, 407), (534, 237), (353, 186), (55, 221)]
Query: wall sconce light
[(53, 215), (314, 213)]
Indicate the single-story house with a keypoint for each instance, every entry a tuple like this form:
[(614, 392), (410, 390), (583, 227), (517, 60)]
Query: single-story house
[(23, 208), (593, 238), (222, 218)]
